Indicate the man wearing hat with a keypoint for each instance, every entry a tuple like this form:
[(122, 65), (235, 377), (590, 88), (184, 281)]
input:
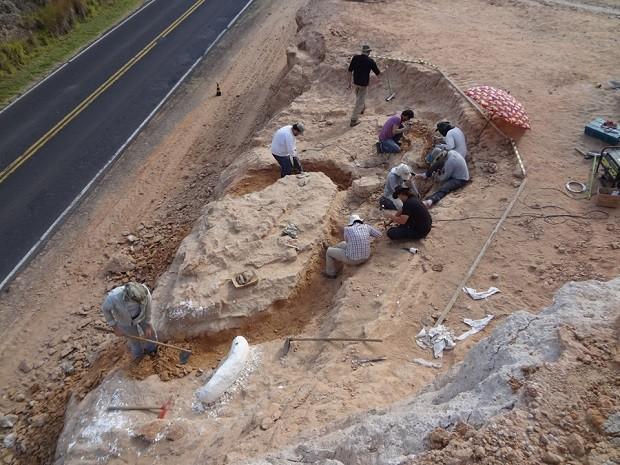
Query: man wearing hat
[(354, 250), (284, 149), (454, 139), (127, 309), (414, 221), (359, 72), (399, 176), (452, 172)]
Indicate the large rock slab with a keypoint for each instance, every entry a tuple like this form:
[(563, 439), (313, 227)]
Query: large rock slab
[(474, 391), (235, 234)]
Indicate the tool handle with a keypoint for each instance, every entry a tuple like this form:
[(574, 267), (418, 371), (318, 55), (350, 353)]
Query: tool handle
[(349, 339), (132, 408), (144, 339)]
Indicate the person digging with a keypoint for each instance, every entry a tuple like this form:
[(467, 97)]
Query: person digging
[(451, 171), (399, 176), (414, 221), (127, 310), (393, 131), (354, 250), (284, 148)]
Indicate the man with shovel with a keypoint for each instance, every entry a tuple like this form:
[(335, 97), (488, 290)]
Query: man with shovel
[(359, 72), (127, 309)]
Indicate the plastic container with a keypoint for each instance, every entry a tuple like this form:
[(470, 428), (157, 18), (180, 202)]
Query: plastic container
[(608, 197)]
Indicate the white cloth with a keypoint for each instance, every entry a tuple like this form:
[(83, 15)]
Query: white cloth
[(476, 326), (283, 142), (480, 295), (455, 140), (438, 338)]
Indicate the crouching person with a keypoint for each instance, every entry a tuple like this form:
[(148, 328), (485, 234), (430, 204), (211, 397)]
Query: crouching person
[(414, 221), (454, 174), (127, 309), (399, 176), (354, 250)]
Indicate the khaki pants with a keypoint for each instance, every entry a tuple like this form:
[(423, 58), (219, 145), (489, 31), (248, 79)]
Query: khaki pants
[(335, 257), (360, 102)]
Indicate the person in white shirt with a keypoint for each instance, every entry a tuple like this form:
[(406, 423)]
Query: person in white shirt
[(454, 139), (284, 150)]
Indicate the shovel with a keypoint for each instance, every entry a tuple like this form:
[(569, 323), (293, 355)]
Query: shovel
[(287, 342), (183, 355)]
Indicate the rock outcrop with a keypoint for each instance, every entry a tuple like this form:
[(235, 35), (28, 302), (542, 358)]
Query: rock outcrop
[(235, 234), (473, 392)]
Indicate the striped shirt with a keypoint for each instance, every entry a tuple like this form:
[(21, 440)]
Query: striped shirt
[(357, 238)]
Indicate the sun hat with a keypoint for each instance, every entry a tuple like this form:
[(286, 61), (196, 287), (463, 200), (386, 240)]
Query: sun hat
[(403, 171), (366, 48), (300, 127), (353, 218)]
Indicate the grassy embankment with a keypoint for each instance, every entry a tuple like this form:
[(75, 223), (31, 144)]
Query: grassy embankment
[(55, 32)]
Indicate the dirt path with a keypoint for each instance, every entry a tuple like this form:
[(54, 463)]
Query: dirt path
[(550, 57)]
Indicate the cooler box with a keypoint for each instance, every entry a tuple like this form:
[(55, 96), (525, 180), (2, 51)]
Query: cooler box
[(595, 129)]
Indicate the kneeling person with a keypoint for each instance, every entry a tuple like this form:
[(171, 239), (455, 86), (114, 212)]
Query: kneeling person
[(392, 132), (354, 250), (414, 221)]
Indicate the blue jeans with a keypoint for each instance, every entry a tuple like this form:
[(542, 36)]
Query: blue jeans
[(389, 146), (139, 348), (286, 167), (445, 188)]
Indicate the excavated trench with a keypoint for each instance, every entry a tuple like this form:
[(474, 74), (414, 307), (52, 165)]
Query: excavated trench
[(312, 299)]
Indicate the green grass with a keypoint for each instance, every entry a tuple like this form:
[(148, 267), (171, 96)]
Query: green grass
[(50, 51)]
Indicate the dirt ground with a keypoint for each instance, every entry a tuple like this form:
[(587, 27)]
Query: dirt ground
[(556, 59)]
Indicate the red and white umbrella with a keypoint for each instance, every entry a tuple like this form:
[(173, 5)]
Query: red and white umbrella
[(499, 104)]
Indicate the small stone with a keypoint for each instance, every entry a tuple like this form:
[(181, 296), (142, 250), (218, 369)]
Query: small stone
[(131, 238), (438, 267), (9, 440), (19, 397), (67, 368), (494, 276), (576, 445), (551, 458), (151, 432), (439, 438), (24, 366), (8, 421), (174, 432), (39, 421)]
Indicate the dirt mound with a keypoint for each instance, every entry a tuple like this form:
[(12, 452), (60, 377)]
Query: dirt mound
[(239, 234)]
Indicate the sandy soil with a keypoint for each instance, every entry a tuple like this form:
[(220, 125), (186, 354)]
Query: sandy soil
[(550, 57)]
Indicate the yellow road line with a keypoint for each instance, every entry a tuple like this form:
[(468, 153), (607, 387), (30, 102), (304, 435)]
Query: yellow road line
[(15, 164)]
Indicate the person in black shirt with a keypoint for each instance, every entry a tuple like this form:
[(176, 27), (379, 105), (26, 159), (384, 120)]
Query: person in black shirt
[(359, 71), (414, 221)]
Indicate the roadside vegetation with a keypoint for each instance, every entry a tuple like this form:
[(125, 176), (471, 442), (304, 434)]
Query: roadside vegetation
[(49, 34)]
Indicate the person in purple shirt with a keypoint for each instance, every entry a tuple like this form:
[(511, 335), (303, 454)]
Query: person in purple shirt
[(392, 132)]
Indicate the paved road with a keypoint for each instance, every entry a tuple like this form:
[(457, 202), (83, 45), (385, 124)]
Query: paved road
[(56, 138)]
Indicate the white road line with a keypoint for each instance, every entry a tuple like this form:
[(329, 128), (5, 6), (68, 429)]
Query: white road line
[(17, 99), (47, 234)]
